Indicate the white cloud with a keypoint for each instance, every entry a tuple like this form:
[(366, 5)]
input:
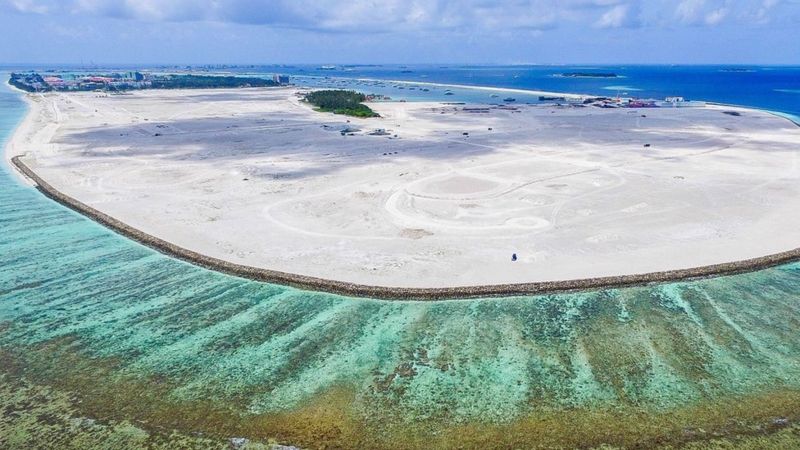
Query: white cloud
[(703, 12), (762, 13), (615, 17), (30, 6), (688, 10), (716, 16), (468, 16)]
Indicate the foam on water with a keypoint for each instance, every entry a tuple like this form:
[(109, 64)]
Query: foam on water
[(621, 88)]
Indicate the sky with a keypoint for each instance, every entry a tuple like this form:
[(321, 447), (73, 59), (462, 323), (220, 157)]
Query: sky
[(400, 31)]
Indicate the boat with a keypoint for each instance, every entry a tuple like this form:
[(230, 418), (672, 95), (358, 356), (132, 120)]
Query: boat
[(509, 99)]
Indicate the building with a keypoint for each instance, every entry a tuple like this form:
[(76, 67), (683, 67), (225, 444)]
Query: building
[(637, 103), (680, 102), (54, 82), (135, 76)]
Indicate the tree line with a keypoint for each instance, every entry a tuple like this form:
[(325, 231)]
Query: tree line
[(341, 102)]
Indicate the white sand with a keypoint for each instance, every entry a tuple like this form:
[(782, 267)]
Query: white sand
[(251, 176)]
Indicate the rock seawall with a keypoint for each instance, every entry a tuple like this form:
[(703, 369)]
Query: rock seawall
[(400, 293)]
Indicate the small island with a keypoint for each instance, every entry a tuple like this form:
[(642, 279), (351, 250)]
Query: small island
[(348, 103), (128, 81)]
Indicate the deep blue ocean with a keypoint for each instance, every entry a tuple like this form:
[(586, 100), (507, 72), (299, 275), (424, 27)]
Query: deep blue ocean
[(774, 88)]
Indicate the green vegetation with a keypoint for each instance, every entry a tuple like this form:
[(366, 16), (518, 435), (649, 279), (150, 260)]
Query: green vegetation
[(34, 82), (208, 81), (348, 103), (29, 82)]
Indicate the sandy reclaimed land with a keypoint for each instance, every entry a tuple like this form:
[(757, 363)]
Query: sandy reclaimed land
[(256, 177)]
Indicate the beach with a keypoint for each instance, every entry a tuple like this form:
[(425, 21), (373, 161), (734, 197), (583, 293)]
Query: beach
[(443, 197)]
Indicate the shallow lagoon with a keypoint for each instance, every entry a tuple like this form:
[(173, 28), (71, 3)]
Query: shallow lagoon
[(98, 328)]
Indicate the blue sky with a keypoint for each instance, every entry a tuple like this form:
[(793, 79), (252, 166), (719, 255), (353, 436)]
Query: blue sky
[(400, 31)]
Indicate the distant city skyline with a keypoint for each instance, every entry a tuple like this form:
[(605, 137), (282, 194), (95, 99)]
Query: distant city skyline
[(394, 31)]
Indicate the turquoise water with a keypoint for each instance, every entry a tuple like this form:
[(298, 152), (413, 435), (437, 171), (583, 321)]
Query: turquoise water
[(774, 88), (262, 348)]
